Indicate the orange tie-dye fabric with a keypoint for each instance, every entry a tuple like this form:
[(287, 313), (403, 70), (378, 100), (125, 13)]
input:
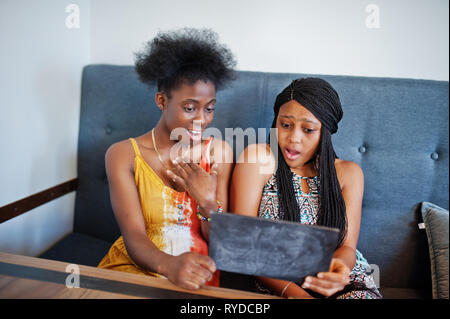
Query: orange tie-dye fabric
[(170, 219)]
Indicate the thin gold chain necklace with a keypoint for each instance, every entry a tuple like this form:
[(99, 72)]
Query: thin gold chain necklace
[(156, 149), (182, 219)]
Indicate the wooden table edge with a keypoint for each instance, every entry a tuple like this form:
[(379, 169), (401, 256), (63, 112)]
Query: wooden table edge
[(162, 283)]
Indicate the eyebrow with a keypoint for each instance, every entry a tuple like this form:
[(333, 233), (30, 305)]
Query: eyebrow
[(300, 119), (196, 101)]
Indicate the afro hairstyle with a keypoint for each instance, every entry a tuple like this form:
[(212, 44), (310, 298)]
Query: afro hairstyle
[(185, 56)]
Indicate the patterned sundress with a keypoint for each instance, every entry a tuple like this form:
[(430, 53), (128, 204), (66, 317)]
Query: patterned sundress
[(309, 204), (170, 219)]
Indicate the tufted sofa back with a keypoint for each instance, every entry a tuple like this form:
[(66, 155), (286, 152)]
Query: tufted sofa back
[(395, 129)]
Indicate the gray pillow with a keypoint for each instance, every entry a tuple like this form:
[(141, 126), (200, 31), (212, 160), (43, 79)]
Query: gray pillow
[(435, 219)]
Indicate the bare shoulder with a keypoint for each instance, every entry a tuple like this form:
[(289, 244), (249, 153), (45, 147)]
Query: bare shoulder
[(261, 157), (255, 166), (221, 144), (120, 155), (348, 172), (222, 151)]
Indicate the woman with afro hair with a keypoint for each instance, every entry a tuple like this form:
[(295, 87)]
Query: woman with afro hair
[(164, 183)]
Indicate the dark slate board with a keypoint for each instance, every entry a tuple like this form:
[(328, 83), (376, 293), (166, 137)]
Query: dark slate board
[(269, 248)]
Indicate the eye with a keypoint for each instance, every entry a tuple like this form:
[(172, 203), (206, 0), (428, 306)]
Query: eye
[(189, 108), (210, 107), (308, 130), (285, 125)]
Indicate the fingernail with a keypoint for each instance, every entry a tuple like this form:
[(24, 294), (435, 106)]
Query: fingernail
[(305, 285), (319, 275)]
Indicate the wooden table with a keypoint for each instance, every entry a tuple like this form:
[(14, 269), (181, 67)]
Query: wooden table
[(30, 277)]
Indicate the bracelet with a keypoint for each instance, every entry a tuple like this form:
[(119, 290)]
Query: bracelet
[(219, 207), (208, 219), (203, 218), (285, 287)]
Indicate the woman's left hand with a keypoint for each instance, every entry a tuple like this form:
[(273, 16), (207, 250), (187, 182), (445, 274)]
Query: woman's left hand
[(328, 283), (196, 181)]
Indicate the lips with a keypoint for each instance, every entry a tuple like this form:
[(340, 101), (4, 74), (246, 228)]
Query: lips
[(195, 135), (291, 154)]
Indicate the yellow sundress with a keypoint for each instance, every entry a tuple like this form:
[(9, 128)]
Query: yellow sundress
[(170, 218)]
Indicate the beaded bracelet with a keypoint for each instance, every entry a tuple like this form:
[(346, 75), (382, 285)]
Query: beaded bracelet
[(208, 219)]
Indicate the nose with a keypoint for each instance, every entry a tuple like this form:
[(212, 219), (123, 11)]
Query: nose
[(198, 123), (295, 136), (200, 120)]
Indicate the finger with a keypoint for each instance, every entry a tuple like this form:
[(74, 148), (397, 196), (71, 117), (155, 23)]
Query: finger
[(171, 175), (325, 284), (323, 291), (176, 179), (194, 167), (190, 284), (214, 169), (189, 278), (178, 168), (312, 281), (334, 277), (206, 262), (185, 166), (186, 154), (202, 274)]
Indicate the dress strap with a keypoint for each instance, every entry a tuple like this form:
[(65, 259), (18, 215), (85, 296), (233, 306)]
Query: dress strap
[(135, 146)]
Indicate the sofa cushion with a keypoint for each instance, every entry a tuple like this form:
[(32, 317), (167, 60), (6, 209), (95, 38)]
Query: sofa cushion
[(435, 219), (378, 132), (79, 249)]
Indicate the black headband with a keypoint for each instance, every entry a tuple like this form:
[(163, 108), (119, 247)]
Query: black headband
[(317, 96)]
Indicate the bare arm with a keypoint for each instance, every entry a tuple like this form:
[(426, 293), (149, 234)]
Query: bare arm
[(351, 179), (127, 210), (248, 180), (254, 168)]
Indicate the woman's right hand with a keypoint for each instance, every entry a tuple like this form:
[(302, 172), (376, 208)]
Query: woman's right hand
[(202, 186), (189, 270)]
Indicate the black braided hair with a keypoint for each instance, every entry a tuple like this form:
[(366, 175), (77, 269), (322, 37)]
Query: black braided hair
[(322, 100), (185, 55)]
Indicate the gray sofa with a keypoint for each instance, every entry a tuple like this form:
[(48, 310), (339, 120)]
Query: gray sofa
[(395, 129)]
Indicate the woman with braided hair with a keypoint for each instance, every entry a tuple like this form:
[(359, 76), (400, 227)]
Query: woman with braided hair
[(160, 197), (307, 183)]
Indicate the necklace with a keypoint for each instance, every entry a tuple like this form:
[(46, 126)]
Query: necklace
[(156, 149), (180, 204)]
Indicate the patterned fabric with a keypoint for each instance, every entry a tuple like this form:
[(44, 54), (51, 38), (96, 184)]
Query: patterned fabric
[(170, 219), (308, 201)]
